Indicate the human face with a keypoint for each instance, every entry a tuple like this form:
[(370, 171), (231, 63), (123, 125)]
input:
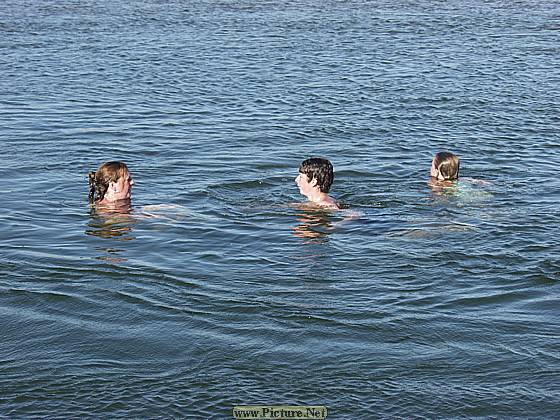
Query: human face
[(305, 187), (122, 189)]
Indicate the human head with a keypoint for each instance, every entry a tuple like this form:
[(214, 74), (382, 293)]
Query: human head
[(319, 169), (445, 166), (111, 182)]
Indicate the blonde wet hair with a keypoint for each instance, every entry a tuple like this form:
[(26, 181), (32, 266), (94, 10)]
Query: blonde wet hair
[(447, 164)]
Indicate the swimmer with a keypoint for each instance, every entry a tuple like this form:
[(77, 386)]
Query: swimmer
[(110, 185), (445, 168), (314, 181)]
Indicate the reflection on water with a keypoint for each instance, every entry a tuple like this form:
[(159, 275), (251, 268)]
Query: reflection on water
[(466, 190), (314, 224), (113, 255), (429, 230), (168, 212), (452, 210), (111, 222)]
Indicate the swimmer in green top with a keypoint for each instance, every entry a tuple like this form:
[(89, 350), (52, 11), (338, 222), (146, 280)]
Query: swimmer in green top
[(444, 173), (315, 178)]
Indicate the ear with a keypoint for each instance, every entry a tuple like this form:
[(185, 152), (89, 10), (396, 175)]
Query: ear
[(313, 182)]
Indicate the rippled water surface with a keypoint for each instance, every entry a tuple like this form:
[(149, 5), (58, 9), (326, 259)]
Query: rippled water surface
[(219, 288)]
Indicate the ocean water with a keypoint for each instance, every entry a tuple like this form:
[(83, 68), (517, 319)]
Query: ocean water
[(219, 288)]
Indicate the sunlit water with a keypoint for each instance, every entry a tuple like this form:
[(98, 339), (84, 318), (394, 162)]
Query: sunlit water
[(219, 288)]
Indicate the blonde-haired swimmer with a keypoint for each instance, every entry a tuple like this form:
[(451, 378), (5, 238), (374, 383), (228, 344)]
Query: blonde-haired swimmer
[(445, 167), (315, 178), (111, 183)]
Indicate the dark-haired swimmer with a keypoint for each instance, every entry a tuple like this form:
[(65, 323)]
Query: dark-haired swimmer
[(111, 185), (315, 178)]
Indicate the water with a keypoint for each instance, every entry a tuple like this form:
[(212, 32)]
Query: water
[(408, 304)]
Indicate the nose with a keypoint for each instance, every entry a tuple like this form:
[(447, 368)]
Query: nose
[(297, 180)]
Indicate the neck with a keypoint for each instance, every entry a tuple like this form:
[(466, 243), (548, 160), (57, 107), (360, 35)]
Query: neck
[(441, 182), (321, 199), (316, 196)]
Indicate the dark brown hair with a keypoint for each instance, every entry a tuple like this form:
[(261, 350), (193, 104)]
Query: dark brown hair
[(319, 169), (99, 180)]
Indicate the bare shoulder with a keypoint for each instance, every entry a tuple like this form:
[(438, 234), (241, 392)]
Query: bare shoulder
[(164, 211), (330, 203)]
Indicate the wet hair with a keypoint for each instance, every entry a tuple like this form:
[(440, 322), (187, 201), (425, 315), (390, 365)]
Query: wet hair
[(319, 169), (447, 164), (99, 180)]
